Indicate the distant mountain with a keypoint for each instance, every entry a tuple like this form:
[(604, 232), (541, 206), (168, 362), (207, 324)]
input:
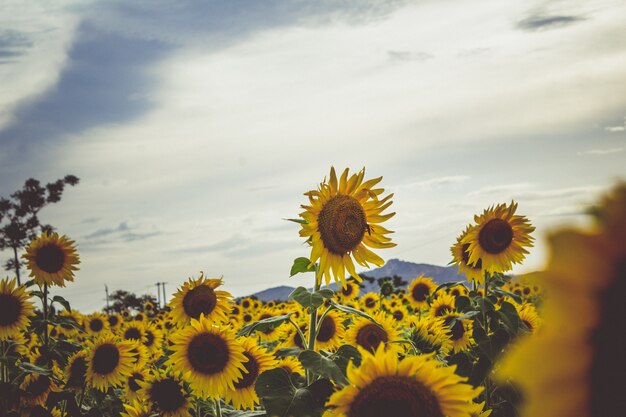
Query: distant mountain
[(403, 269)]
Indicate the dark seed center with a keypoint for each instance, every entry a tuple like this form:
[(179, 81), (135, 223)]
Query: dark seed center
[(398, 315), (495, 236), (132, 333), (77, 373), (456, 329), (50, 258), (200, 300), (396, 396), (167, 395), (113, 320), (132, 381), (250, 374), (370, 336), (420, 292), (342, 224), (347, 290), (105, 359), (328, 329), (96, 325), (39, 386), (370, 303), (208, 353), (10, 309), (149, 338)]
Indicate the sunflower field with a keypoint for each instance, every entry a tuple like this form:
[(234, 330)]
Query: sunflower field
[(550, 343)]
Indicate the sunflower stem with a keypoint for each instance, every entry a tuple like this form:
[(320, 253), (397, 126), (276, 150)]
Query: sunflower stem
[(218, 407), (298, 330), (313, 321), (486, 324), (45, 316), (82, 396), (322, 317)]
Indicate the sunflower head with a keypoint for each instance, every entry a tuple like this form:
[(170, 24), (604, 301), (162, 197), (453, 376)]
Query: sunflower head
[(419, 291), (499, 239), (199, 297), (166, 394), (15, 309), (109, 361), (343, 219), (460, 257), (52, 259)]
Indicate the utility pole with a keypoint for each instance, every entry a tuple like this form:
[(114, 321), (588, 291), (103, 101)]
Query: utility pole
[(158, 284), (106, 291), (164, 299)]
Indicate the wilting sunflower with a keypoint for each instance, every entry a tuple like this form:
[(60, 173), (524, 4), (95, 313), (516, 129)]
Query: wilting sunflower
[(209, 356), (415, 386), (166, 394), (460, 257), (76, 370), (499, 239), (243, 395), (109, 361), (52, 259), (342, 219), (198, 296), (577, 358), (330, 332), (350, 290), (15, 309), (369, 336), (419, 290)]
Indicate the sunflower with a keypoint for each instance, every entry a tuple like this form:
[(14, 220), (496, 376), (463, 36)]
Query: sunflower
[(460, 331), (457, 290), (139, 317), (499, 239), (291, 337), (460, 257), (153, 338), (76, 370), (148, 306), (399, 314), (246, 303), (370, 302), (291, 365), (528, 315), (96, 323), (52, 259), (577, 358), (15, 309), (419, 290), (134, 331), (37, 387), (114, 321), (209, 356), (132, 387), (413, 386), (445, 303), (342, 220), (330, 332), (198, 296), (166, 394), (369, 336), (273, 333), (243, 395), (109, 361), (350, 290), (430, 334), (136, 409)]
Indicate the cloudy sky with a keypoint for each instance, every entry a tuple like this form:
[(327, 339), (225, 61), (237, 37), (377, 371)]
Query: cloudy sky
[(196, 126)]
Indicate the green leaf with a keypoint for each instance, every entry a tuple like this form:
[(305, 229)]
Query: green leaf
[(29, 283), (482, 340), (33, 369), (344, 354), (68, 321), (322, 366), (510, 318), (299, 221), (468, 315), (282, 399), (462, 303), (301, 265), (308, 299), (264, 325), (351, 310), (284, 352), (448, 285), (504, 293), (62, 301)]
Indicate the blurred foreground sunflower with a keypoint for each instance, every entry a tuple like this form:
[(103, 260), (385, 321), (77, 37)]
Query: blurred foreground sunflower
[(15, 309), (413, 386), (341, 221), (577, 359), (52, 259)]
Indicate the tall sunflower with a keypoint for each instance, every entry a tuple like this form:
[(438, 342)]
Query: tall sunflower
[(499, 239), (577, 358), (209, 356), (109, 361), (15, 309), (52, 259), (413, 386), (243, 395), (341, 221), (199, 296)]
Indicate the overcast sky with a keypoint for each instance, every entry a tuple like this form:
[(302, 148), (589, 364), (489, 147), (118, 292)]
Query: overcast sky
[(195, 127)]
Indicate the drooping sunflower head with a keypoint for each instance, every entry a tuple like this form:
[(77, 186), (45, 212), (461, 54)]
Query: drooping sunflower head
[(499, 239), (419, 291), (210, 357), (414, 386), (342, 220), (109, 361), (15, 309), (199, 297), (166, 394), (52, 259)]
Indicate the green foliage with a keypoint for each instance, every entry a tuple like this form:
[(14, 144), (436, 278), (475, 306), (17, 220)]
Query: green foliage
[(301, 265), (313, 299)]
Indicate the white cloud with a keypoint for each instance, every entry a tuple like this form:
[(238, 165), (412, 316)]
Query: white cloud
[(601, 151)]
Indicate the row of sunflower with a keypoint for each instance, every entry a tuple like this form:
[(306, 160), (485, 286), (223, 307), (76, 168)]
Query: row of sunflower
[(427, 350)]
